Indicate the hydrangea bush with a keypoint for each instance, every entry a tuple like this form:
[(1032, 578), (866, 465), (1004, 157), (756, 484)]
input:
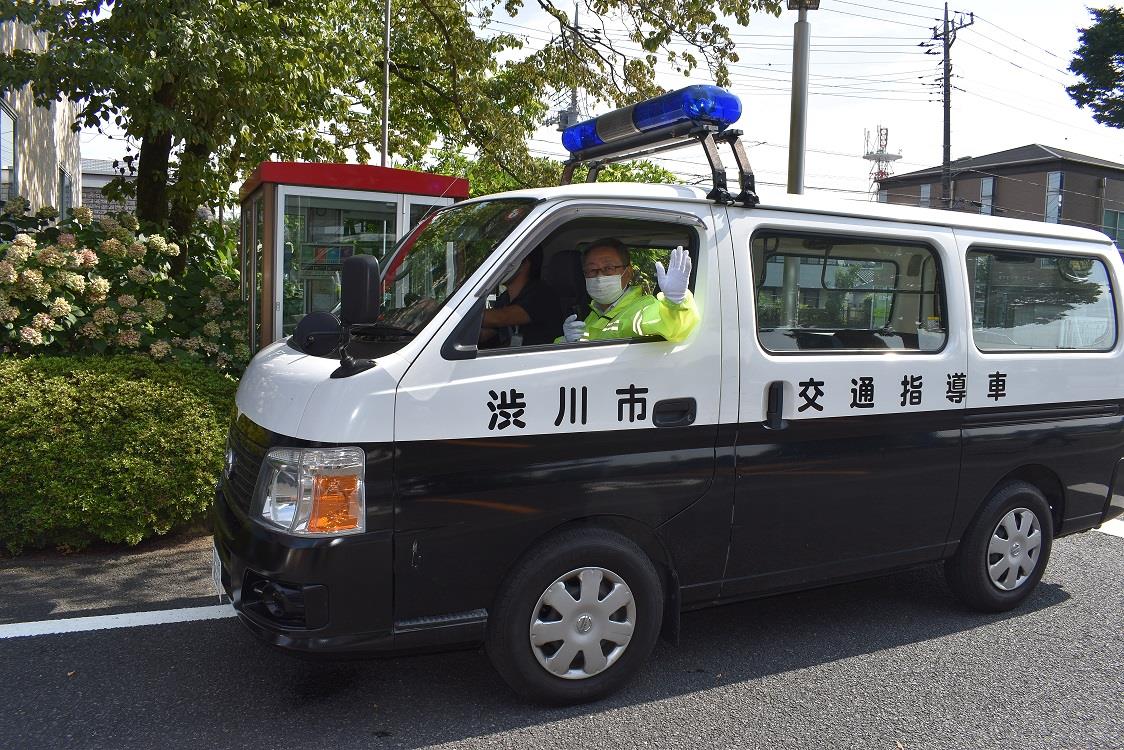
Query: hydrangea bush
[(107, 448), (81, 286)]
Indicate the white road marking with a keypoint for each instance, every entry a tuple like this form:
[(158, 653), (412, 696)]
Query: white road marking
[(217, 612), (1114, 527), (124, 620)]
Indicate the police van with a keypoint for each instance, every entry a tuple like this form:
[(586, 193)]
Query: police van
[(868, 388)]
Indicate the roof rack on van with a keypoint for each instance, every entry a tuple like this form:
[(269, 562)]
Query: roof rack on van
[(695, 114)]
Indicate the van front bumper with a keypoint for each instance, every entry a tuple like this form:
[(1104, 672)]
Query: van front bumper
[(314, 595), (1114, 503)]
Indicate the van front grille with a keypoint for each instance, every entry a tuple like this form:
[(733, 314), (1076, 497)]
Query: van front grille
[(239, 483)]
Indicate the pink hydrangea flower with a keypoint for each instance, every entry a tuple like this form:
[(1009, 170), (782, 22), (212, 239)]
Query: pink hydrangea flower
[(29, 335), (128, 338)]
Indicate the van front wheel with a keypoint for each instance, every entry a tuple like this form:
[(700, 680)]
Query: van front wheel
[(1003, 554), (577, 619)]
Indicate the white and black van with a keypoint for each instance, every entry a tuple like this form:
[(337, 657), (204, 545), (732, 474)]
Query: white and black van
[(869, 388)]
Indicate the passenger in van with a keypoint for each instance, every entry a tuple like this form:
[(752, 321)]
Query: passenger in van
[(527, 312), (621, 309)]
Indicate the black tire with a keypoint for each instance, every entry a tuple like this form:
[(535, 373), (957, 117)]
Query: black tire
[(508, 642), (968, 571)]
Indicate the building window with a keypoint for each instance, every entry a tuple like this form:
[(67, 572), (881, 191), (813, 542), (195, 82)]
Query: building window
[(66, 190), (1054, 184), (1114, 226), (926, 196), (8, 163), (987, 193), (883, 196)]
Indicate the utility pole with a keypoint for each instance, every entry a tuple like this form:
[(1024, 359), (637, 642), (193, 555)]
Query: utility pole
[(948, 35), (798, 119), (797, 133), (568, 117), (386, 84)]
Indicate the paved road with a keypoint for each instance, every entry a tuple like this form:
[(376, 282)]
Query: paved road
[(881, 664)]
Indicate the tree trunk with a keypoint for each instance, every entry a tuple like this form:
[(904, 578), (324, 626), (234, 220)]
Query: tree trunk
[(152, 179), (185, 202), (152, 171)]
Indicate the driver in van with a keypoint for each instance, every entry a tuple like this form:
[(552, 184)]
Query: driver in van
[(619, 309), (527, 312)]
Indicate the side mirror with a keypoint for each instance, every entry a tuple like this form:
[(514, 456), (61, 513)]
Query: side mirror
[(318, 334), (360, 290)]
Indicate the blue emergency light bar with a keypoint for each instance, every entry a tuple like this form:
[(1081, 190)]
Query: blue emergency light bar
[(694, 104)]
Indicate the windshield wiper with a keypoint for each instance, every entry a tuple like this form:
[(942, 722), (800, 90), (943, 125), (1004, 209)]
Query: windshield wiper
[(387, 328)]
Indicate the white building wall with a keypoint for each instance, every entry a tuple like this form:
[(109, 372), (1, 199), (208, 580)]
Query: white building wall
[(45, 140)]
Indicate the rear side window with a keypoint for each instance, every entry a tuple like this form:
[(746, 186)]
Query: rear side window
[(828, 293), (1030, 301)]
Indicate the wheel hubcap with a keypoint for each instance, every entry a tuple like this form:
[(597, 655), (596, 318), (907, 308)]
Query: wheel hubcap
[(582, 623), (1012, 554)]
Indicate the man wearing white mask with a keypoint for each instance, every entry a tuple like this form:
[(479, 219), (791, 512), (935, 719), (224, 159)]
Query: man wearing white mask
[(620, 309)]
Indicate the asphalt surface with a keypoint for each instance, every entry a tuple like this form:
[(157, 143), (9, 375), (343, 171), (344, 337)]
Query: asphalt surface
[(888, 663), (154, 576)]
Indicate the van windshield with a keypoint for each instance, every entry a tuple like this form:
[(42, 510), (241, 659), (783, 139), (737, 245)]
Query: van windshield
[(443, 250)]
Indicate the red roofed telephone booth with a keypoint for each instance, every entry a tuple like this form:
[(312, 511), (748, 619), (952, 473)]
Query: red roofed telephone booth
[(299, 221)]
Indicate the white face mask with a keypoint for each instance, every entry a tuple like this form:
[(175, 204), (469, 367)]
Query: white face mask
[(604, 290)]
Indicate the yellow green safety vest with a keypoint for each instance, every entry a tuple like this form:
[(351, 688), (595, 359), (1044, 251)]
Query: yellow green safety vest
[(640, 314)]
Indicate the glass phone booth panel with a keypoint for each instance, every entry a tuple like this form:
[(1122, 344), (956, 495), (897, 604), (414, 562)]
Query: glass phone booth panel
[(300, 221), (320, 233)]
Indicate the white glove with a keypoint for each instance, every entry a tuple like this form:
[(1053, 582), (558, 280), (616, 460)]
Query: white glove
[(573, 329), (673, 282)]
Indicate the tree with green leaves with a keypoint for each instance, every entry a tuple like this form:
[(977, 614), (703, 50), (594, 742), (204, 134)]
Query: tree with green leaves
[(485, 177), (207, 90), (1099, 62)]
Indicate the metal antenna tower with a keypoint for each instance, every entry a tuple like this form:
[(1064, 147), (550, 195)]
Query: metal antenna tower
[(882, 159)]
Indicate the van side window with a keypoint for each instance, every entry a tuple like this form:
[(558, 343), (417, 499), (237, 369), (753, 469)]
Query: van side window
[(1030, 301), (820, 292), (557, 276)]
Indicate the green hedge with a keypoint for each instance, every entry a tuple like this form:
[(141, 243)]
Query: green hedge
[(116, 449)]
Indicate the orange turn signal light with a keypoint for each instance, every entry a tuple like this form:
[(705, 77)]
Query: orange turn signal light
[(336, 504)]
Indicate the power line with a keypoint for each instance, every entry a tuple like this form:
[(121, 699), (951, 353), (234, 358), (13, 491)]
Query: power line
[(1014, 64), (887, 10), (767, 144), (1025, 41), (857, 94), (933, 8), (1003, 90), (880, 37), (873, 77), (875, 18), (1020, 52), (1033, 113)]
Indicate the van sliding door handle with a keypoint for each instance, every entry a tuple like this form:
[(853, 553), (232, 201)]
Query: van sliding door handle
[(774, 410), (674, 412)]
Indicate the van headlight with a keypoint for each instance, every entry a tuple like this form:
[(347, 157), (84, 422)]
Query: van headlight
[(311, 491)]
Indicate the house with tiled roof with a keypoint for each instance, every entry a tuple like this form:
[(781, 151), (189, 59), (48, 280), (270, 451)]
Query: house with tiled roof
[(96, 174), (1035, 182)]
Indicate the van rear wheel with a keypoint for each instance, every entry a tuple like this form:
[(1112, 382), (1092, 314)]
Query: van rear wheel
[(577, 618), (1004, 552)]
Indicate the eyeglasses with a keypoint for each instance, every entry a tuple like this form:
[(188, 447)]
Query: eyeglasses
[(591, 273)]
